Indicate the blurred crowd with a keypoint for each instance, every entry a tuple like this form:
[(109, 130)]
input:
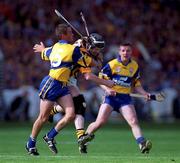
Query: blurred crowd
[(153, 24)]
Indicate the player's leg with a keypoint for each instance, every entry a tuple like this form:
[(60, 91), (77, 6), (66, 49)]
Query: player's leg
[(67, 103), (79, 125), (45, 108), (103, 115), (80, 107), (129, 113), (57, 108)]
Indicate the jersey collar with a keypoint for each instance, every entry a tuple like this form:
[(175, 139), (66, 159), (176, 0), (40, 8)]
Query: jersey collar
[(63, 41), (119, 60)]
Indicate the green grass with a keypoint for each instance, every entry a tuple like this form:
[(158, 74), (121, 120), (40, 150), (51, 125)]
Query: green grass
[(113, 143)]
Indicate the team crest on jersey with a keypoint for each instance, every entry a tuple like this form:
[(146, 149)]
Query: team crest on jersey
[(131, 70), (117, 69)]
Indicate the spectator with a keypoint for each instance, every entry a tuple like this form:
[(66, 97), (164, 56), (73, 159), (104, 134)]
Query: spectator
[(31, 23)]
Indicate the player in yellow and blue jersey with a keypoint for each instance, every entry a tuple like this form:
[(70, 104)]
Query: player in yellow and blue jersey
[(96, 46), (53, 87), (124, 71)]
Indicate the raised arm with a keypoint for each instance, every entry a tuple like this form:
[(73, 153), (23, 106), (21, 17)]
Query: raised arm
[(45, 52), (38, 48)]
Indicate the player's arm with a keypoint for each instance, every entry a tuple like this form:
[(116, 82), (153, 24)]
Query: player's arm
[(106, 74), (38, 48), (45, 52), (108, 90), (137, 87), (96, 79), (88, 75), (85, 61), (141, 90)]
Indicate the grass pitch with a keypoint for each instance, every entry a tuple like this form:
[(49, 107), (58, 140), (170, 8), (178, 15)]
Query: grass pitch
[(113, 144)]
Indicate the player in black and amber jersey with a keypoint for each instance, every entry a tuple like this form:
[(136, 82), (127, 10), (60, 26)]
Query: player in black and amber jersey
[(124, 71)]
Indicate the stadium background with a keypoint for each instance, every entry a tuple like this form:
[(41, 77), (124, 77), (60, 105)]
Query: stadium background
[(150, 24)]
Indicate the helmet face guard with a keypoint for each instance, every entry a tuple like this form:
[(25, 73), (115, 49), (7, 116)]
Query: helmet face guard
[(96, 41)]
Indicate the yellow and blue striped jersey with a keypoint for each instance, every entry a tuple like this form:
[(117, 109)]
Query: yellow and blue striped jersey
[(63, 57), (125, 76)]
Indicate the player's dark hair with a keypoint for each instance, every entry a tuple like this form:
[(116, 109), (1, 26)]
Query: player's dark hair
[(126, 44), (61, 29)]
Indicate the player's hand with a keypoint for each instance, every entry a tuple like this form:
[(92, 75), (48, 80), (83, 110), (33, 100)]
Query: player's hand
[(109, 83), (148, 97), (38, 48), (110, 92), (81, 42), (78, 43)]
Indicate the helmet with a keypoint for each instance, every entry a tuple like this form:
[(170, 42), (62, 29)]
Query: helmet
[(96, 40)]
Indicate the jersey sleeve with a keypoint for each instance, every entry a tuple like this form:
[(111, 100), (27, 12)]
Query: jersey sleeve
[(136, 78), (80, 56), (106, 72), (46, 53)]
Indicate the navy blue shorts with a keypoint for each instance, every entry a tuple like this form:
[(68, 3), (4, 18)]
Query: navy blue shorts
[(116, 102), (52, 89)]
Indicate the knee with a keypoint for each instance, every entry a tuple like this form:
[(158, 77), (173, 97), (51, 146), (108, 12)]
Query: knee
[(133, 121), (43, 118), (70, 117)]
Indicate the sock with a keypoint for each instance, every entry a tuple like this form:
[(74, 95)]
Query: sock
[(54, 111), (31, 142), (52, 133), (80, 132), (140, 140)]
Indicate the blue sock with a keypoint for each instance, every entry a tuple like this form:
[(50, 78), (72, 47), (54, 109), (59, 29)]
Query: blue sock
[(140, 140), (31, 142), (52, 133)]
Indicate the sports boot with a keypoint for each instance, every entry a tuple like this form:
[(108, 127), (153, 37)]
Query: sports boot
[(51, 144), (146, 146), (85, 138), (31, 151)]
